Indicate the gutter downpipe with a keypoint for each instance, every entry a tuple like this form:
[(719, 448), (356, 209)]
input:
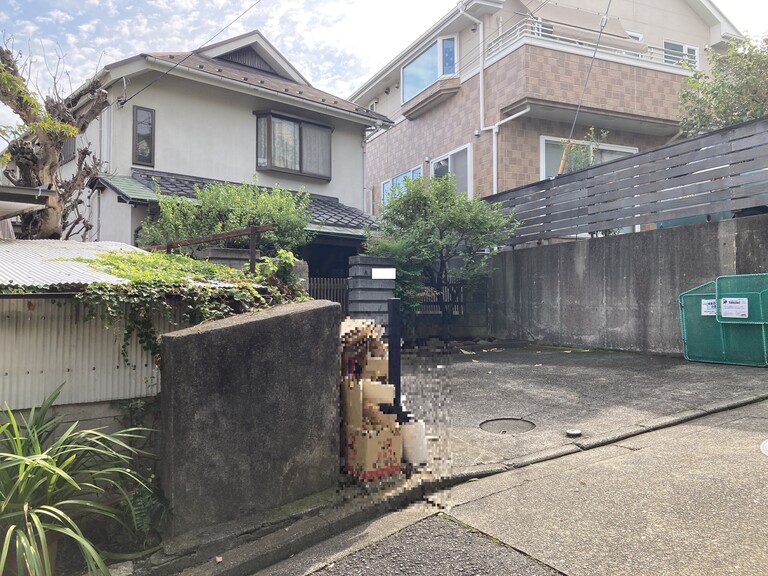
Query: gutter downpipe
[(482, 64), (483, 127), (495, 129)]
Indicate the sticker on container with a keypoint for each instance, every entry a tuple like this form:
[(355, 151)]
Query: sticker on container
[(709, 307), (734, 307)]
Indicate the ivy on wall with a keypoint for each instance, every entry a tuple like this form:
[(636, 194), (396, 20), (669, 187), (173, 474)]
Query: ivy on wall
[(180, 289)]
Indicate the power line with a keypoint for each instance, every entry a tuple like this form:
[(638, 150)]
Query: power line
[(172, 68), (603, 22)]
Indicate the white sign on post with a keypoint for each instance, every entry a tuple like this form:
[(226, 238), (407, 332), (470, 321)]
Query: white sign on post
[(383, 273), (734, 307)]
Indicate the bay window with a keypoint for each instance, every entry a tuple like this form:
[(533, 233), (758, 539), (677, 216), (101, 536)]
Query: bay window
[(438, 60)]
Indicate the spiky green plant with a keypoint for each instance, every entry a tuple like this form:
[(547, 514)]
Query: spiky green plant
[(52, 476)]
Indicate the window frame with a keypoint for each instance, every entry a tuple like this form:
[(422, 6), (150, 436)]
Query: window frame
[(153, 129), (440, 69), (543, 139), (69, 150), (677, 58), (300, 121), (449, 156), (390, 183)]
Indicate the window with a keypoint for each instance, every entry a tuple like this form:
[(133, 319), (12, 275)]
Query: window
[(68, 150), (295, 145), (423, 71), (459, 164), (676, 53), (552, 153), (143, 136), (397, 182)]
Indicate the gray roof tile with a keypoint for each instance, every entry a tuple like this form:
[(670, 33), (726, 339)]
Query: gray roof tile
[(326, 211)]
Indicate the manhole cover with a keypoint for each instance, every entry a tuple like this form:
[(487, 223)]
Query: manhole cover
[(764, 447), (507, 426)]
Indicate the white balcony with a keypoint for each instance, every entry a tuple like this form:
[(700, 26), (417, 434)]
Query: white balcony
[(562, 36)]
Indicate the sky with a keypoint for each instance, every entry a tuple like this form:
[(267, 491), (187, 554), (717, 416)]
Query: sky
[(335, 44)]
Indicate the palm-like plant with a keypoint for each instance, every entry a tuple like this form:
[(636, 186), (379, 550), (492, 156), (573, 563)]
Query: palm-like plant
[(51, 479)]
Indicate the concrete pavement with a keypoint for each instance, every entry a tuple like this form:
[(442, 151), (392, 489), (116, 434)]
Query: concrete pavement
[(667, 477), (605, 395)]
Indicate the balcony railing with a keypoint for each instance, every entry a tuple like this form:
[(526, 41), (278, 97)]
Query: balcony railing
[(569, 36)]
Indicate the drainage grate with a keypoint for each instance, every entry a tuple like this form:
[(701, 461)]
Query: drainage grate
[(507, 426)]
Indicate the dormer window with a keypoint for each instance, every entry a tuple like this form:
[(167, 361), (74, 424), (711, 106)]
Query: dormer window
[(433, 63)]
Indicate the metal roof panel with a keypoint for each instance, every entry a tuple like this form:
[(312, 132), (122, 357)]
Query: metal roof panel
[(48, 263)]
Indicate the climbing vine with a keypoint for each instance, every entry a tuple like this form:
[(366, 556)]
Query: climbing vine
[(181, 290)]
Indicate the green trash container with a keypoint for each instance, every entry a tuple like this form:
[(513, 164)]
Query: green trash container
[(739, 299), (702, 333), (706, 339)]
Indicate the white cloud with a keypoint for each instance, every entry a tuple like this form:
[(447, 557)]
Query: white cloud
[(335, 44), (59, 16)]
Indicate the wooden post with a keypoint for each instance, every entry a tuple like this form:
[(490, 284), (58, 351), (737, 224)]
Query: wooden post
[(253, 242)]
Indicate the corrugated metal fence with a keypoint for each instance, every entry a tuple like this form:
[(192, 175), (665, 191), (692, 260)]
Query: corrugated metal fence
[(46, 341)]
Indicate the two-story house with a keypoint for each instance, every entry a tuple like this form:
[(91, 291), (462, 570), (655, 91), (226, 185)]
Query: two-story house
[(227, 112), (490, 91)]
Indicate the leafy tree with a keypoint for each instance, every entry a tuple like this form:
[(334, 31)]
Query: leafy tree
[(734, 90), (432, 232), (579, 156), (221, 207), (33, 156)]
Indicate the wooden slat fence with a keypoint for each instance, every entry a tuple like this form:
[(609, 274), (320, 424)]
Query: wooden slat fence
[(333, 289), (719, 172)]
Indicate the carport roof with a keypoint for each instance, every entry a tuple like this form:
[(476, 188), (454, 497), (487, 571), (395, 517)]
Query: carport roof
[(16, 200), (50, 263)]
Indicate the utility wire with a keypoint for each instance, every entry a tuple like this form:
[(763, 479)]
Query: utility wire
[(603, 22), (172, 68)]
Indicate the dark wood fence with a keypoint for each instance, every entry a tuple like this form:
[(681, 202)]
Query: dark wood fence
[(334, 289), (717, 173), (453, 294)]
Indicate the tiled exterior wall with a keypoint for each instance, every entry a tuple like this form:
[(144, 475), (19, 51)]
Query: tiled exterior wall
[(555, 76), (432, 134), (530, 72), (520, 147)]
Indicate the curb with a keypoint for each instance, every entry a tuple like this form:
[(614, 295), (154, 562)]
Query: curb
[(331, 520)]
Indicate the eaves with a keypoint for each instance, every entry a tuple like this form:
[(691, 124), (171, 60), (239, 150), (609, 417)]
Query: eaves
[(135, 65)]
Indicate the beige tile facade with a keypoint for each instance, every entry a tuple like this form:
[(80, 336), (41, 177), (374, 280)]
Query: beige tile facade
[(530, 72)]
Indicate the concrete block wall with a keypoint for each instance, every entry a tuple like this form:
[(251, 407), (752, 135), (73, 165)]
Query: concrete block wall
[(250, 410), (618, 292)]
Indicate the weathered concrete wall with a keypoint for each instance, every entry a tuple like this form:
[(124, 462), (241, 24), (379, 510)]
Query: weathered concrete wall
[(250, 412), (618, 292), (474, 323)]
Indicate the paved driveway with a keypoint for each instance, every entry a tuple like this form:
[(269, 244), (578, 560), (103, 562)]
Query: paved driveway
[(605, 395)]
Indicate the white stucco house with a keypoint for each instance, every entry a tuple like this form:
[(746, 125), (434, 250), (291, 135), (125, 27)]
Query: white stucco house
[(227, 112)]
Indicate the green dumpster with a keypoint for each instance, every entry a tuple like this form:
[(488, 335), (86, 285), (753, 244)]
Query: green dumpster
[(740, 299), (738, 339)]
